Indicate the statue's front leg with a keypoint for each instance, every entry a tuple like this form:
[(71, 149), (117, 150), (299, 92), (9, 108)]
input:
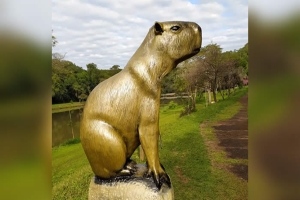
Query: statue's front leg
[(149, 134)]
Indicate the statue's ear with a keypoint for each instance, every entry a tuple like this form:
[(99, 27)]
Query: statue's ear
[(158, 28)]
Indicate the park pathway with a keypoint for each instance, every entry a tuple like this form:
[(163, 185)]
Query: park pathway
[(233, 138)]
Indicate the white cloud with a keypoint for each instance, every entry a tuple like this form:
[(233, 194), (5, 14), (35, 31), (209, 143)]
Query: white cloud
[(109, 32), (27, 19), (274, 11)]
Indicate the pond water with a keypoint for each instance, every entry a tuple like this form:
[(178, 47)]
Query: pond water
[(65, 126)]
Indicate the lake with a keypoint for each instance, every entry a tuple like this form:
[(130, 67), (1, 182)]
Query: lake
[(65, 126)]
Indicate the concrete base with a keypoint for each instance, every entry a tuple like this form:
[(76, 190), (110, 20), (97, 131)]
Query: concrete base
[(132, 188)]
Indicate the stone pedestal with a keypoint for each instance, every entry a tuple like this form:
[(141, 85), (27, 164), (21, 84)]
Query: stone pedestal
[(130, 188)]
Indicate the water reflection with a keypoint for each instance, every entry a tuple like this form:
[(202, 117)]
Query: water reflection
[(64, 129), (65, 126)]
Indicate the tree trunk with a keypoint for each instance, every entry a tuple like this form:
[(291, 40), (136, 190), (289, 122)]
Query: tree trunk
[(209, 96), (215, 95), (214, 88), (201, 94), (194, 95), (206, 101), (222, 92)]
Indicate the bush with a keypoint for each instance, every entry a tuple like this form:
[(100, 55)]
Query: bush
[(187, 110), (72, 141), (172, 105)]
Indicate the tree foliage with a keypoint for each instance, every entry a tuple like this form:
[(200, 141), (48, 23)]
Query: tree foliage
[(115, 67), (210, 70), (54, 41), (73, 83)]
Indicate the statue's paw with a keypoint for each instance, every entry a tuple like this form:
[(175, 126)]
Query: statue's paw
[(160, 179), (129, 168), (130, 165)]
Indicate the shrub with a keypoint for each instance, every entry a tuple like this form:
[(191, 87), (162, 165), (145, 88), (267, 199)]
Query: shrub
[(172, 105), (72, 141)]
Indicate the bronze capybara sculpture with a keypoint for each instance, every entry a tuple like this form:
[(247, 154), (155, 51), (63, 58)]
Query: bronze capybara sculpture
[(122, 112)]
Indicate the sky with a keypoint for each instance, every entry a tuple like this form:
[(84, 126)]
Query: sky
[(108, 33)]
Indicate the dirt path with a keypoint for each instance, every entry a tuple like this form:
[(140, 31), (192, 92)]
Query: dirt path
[(233, 138)]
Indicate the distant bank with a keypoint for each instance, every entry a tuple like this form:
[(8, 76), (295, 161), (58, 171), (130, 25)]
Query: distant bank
[(56, 108)]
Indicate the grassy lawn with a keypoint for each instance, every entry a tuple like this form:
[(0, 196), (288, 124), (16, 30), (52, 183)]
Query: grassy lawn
[(183, 154)]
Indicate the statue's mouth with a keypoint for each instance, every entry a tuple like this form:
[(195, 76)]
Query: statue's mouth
[(195, 51)]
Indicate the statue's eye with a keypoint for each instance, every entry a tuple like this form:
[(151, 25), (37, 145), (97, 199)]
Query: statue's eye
[(175, 28)]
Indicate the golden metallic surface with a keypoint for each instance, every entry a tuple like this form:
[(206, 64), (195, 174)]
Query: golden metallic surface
[(122, 112)]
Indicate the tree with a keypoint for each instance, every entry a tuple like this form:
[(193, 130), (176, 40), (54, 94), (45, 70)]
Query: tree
[(68, 81), (58, 89), (243, 56), (83, 87), (58, 56), (229, 68), (211, 71), (243, 61), (212, 62), (169, 81), (189, 78), (115, 67), (54, 41), (93, 75)]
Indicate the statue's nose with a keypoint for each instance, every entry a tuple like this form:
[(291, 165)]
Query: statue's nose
[(199, 29)]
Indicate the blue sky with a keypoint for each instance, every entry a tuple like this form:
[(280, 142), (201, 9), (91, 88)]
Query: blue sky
[(194, 1), (107, 33)]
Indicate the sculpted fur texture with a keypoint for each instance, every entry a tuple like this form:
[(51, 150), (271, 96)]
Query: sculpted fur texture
[(122, 112)]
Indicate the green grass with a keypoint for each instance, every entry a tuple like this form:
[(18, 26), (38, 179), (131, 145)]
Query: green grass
[(66, 106), (183, 154), (186, 159), (71, 172)]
